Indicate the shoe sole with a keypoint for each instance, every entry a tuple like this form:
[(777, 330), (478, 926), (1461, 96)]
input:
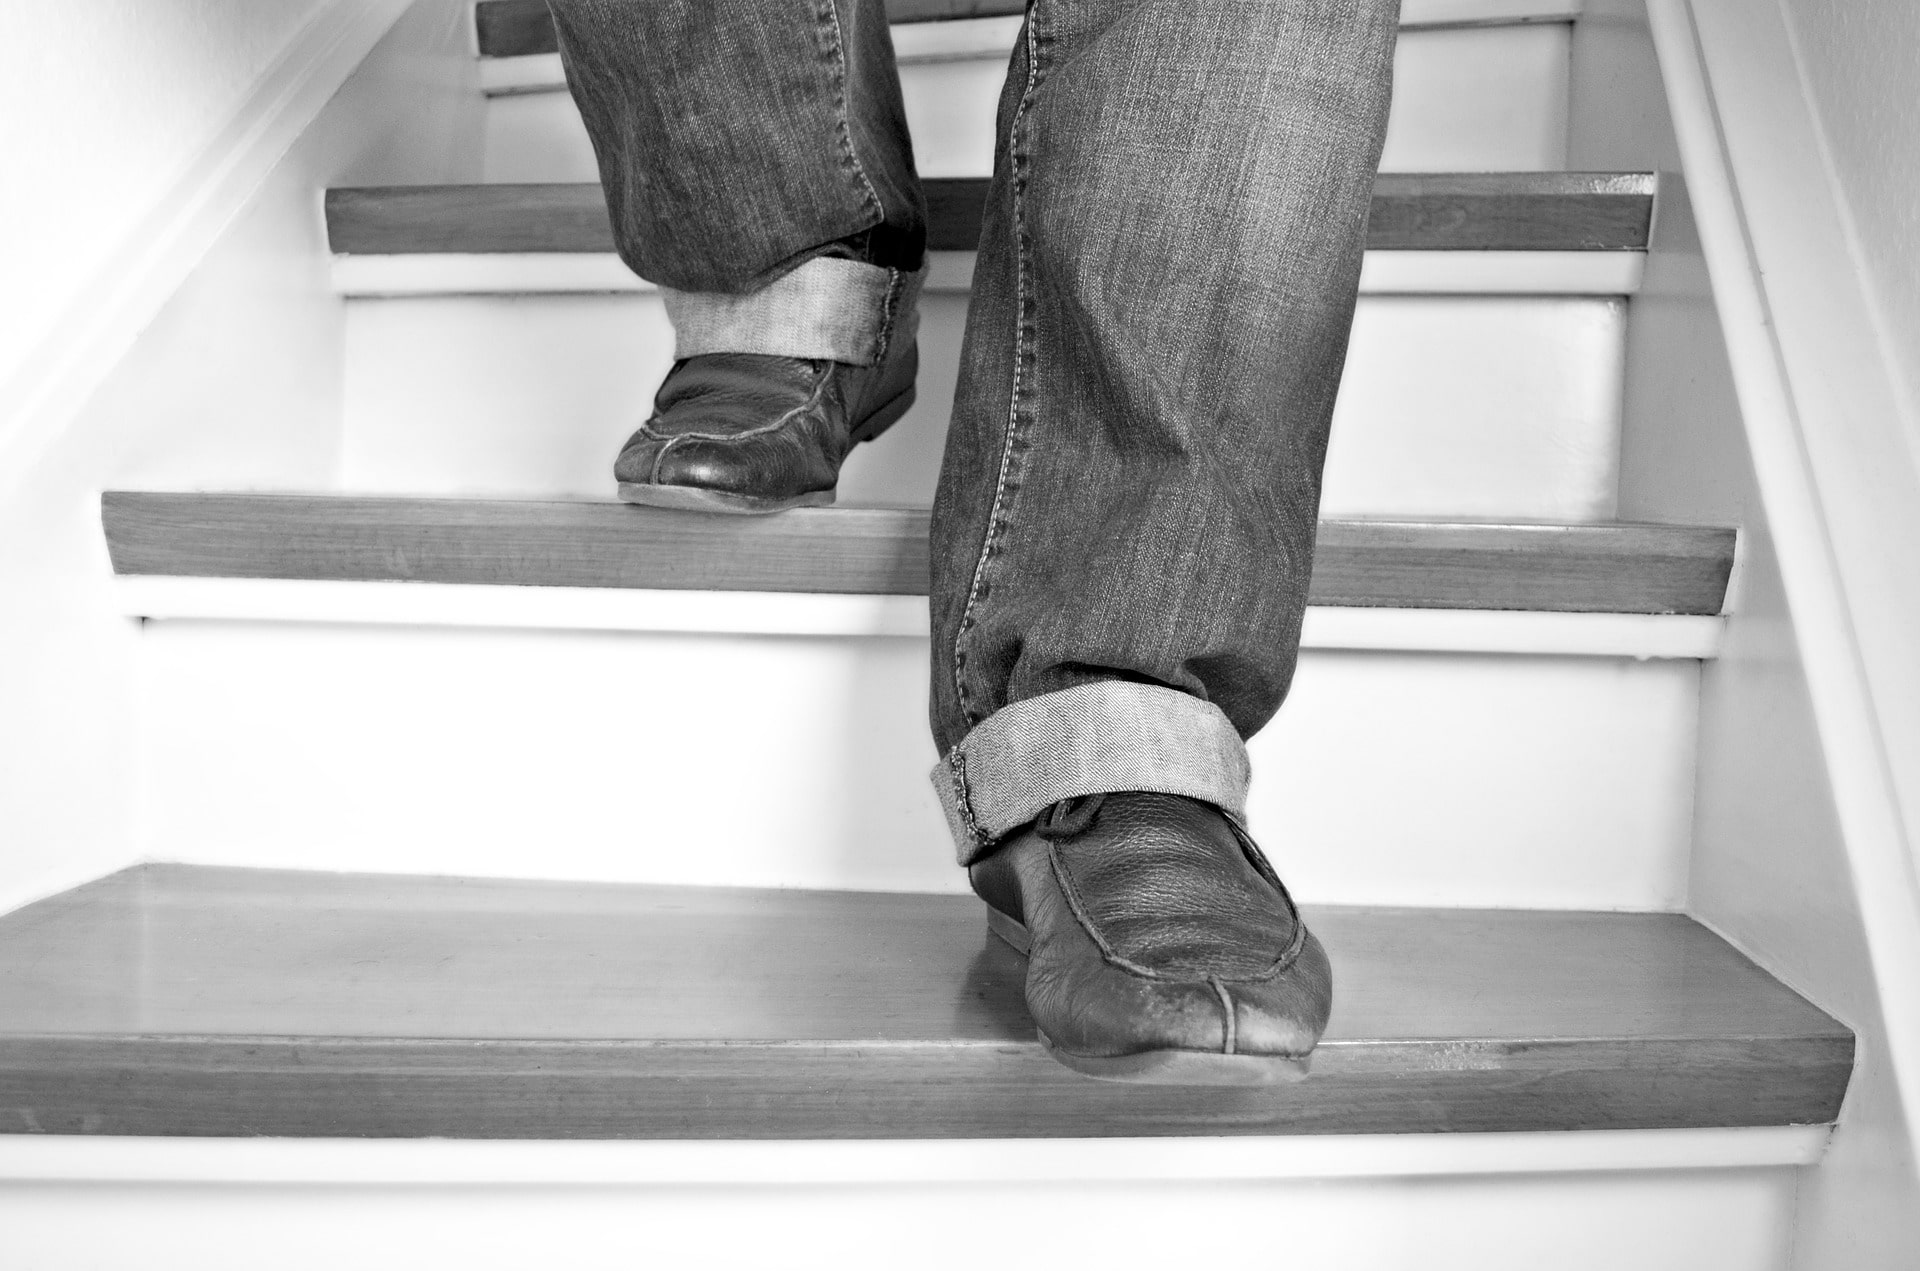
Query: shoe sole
[(1158, 1067), (693, 498)]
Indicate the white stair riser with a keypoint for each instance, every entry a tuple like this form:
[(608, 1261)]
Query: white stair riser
[(1465, 100), (1432, 272), (1724, 1220), (1455, 406), (1389, 778), (374, 602)]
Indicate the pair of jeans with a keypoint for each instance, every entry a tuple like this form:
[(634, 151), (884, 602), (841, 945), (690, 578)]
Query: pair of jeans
[(1124, 527)]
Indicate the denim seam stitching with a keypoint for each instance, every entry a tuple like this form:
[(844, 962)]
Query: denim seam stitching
[(957, 761), (896, 284), (842, 124), (995, 515)]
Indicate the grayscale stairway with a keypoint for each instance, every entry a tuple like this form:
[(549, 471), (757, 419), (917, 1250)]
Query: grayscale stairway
[(479, 807)]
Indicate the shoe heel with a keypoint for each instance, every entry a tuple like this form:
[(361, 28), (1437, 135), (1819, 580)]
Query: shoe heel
[(884, 418)]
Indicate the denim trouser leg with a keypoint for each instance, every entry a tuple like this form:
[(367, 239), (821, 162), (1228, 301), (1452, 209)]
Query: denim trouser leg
[(1124, 528), (739, 142)]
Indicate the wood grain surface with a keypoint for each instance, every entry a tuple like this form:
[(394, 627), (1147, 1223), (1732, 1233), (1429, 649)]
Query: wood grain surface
[(188, 1000), (1499, 211), (870, 551)]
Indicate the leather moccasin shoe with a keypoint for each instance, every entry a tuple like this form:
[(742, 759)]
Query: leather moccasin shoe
[(754, 433), (1161, 946)]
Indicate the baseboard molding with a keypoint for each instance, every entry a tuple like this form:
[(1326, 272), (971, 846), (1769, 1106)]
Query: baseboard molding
[(1828, 430), (133, 280)]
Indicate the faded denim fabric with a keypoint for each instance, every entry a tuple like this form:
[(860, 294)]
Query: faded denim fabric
[(739, 138), (829, 308), (1026, 757), (1166, 279)]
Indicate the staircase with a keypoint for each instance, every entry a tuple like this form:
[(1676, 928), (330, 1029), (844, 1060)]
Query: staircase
[(373, 713)]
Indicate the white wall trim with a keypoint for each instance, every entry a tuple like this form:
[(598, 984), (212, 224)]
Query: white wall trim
[(748, 1163), (1628, 635), (83, 344), (1830, 446), (601, 273)]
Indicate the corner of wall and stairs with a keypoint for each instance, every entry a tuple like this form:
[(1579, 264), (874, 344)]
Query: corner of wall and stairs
[(1800, 852), (207, 327)]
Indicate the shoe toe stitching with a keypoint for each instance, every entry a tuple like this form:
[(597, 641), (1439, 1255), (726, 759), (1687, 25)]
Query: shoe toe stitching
[(659, 457), (1230, 1018), (805, 410), (1286, 958)]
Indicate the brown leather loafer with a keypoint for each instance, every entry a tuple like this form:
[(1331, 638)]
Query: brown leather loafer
[(753, 433), (1161, 946)]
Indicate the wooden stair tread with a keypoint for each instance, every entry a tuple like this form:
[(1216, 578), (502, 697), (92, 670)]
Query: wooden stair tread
[(519, 28), (863, 551), (1500, 211), (194, 1000)]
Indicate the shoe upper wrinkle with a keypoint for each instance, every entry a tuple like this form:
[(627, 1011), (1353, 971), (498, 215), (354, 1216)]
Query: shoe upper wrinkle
[(1166, 889), (750, 432), (784, 410), (721, 398), (1153, 925)]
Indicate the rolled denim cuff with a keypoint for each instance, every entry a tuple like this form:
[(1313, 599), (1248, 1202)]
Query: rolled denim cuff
[(830, 309), (1093, 739)]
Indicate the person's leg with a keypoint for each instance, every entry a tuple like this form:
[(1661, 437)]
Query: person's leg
[(756, 164), (1124, 528)]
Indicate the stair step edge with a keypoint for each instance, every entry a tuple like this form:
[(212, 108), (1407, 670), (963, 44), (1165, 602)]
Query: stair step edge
[(305, 1004), (1453, 211), (1607, 568)]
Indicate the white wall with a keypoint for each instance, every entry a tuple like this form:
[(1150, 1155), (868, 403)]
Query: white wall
[(1770, 865), (1861, 61), (222, 366), (104, 106)]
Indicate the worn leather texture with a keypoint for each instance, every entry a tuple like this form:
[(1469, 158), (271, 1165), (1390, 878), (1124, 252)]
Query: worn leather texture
[(1156, 925), (764, 427)]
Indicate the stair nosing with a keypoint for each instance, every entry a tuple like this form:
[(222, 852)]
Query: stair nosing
[(1605, 568), (1437, 211)]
